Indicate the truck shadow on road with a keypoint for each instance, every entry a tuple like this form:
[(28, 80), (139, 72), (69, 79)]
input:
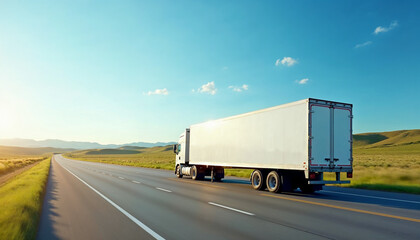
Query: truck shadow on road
[(46, 228), (378, 198), (370, 200)]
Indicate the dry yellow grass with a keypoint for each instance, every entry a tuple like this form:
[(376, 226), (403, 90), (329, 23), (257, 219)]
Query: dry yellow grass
[(9, 164)]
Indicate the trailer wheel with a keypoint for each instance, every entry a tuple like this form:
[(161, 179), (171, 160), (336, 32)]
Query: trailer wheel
[(178, 171), (273, 182), (194, 172), (257, 180)]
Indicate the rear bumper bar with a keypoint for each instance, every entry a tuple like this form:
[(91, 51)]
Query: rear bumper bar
[(328, 182)]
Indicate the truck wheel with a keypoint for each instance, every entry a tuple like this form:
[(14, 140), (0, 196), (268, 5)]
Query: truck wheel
[(194, 173), (178, 171), (257, 180), (273, 182)]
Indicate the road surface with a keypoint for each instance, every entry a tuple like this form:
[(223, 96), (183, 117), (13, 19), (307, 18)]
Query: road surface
[(86, 200)]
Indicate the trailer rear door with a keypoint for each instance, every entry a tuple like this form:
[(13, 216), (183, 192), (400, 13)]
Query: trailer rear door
[(320, 135), (330, 137), (342, 137)]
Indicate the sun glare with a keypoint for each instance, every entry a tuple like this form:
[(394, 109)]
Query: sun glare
[(6, 119)]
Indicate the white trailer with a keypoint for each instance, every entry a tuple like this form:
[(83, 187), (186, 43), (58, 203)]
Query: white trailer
[(289, 146)]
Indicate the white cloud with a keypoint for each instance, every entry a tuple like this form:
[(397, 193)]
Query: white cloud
[(381, 29), (363, 44), (302, 81), (225, 68), (286, 61), (244, 87), (209, 88), (162, 91)]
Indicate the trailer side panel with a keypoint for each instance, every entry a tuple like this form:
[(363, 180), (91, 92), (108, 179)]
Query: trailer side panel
[(274, 138)]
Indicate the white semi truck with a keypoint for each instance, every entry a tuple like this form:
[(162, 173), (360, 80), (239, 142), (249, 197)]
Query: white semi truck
[(289, 146)]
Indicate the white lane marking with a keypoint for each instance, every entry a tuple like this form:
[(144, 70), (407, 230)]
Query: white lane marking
[(162, 189), (131, 217), (233, 209), (384, 198), (121, 178), (136, 182)]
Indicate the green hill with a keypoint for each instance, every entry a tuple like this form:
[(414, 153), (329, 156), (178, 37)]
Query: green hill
[(387, 139), (111, 151), (123, 150), (131, 148), (20, 151), (154, 157)]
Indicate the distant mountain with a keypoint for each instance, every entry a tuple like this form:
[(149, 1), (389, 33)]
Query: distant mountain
[(382, 139), (55, 143)]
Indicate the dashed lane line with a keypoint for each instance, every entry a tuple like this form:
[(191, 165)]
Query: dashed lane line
[(344, 208), (230, 208), (366, 196), (162, 189), (131, 217), (198, 183)]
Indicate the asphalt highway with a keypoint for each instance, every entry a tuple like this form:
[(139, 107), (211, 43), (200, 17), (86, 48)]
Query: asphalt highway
[(86, 200)]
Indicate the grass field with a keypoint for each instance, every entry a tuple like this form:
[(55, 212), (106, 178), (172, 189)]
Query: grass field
[(9, 164), (394, 168), (383, 161), (387, 161), (20, 202), (12, 158), (6, 151), (155, 157)]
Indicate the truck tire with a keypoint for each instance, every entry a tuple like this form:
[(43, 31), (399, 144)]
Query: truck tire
[(178, 171), (257, 180), (273, 182), (194, 173)]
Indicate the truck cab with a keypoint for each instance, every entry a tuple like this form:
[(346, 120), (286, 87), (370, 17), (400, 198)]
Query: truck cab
[(181, 150)]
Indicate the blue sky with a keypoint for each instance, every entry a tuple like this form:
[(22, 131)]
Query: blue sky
[(124, 71)]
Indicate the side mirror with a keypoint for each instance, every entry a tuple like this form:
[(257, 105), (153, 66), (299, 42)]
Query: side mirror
[(175, 148)]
